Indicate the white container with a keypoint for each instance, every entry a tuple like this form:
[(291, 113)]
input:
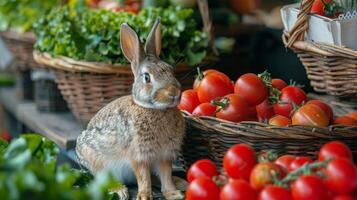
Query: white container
[(342, 32)]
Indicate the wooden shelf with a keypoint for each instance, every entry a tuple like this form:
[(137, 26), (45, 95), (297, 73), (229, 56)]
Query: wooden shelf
[(62, 128)]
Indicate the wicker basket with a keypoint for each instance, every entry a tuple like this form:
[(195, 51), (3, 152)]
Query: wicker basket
[(21, 46), (330, 68), (209, 137), (87, 87)]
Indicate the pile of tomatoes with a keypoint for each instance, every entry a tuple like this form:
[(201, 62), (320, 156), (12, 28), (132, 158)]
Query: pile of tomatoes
[(257, 98), (327, 8), (132, 6), (333, 176)]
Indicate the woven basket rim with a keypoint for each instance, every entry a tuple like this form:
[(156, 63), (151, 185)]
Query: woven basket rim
[(71, 65), (258, 130), (28, 37)]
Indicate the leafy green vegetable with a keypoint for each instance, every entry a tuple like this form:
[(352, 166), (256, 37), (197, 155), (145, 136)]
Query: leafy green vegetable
[(93, 35), (28, 171), (21, 14)]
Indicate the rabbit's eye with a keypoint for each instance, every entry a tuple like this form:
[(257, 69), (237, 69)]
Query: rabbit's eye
[(146, 77)]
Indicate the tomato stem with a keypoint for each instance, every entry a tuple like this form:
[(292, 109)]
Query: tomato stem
[(199, 74), (266, 78), (222, 104), (304, 170), (267, 156)]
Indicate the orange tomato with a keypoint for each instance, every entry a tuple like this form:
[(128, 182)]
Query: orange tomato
[(345, 120), (243, 6), (262, 175), (353, 115), (328, 110), (310, 115), (279, 120)]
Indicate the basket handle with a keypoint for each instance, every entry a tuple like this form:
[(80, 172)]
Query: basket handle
[(207, 24), (297, 33)]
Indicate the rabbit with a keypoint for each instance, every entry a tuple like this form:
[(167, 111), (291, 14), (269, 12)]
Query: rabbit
[(141, 133)]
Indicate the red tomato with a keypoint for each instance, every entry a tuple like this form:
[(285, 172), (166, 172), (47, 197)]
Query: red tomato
[(252, 116), (341, 176), (344, 120), (309, 187), (264, 111), (318, 7), (328, 110), (212, 86), (202, 168), (202, 188), (344, 197), (239, 161), (273, 192), (251, 88), (92, 3), (285, 161), (189, 101), (310, 115), (279, 120), (335, 149), (283, 109), (261, 175), (289, 95), (235, 109), (205, 109), (299, 162), (278, 83), (238, 190), (199, 77), (5, 135), (353, 115)]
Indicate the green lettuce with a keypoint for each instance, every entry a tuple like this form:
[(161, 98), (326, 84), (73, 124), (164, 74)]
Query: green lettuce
[(28, 171), (93, 35), (21, 14)]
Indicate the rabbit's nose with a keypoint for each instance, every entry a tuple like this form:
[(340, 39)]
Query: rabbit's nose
[(173, 92)]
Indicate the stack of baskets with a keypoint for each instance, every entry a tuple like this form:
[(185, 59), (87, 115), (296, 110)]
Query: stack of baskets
[(331, 69)]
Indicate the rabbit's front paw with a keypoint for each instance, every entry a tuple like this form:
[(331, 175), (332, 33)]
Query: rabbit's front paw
[(174, 195), (122, 192), (144, 196)]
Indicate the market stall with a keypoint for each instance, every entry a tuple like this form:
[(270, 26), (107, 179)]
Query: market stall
[(223, 100)]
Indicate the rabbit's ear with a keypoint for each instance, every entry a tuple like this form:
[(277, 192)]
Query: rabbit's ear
[(130, 45), (153, 42)]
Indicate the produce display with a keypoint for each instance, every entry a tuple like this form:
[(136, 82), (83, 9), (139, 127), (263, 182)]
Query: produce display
[(257, 98), (93, 34), (28, 171), (333, 8), (20, 15), (248, 175)]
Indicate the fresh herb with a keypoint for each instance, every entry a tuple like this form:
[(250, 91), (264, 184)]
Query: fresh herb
[(21, 14), (28, 171), (93, 35)]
